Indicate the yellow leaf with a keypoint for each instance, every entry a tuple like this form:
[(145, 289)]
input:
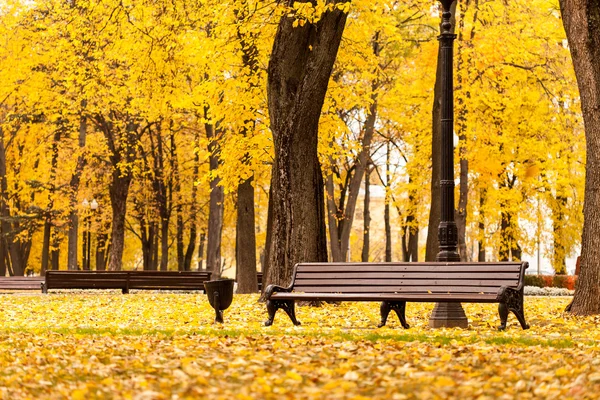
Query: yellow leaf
[(294, 375)]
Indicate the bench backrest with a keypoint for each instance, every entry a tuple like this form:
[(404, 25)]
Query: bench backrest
[(126, 279), (171, 280), (431, 277), (86, 279)]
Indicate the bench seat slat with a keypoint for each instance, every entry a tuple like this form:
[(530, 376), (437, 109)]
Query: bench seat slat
[(404, 282), (394, 289), (417, 297)]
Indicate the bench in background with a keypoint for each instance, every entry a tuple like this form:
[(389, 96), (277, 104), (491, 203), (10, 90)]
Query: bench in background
[(126, 280), (20, 282)]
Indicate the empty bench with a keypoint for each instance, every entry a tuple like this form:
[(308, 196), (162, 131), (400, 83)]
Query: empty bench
[(394, 284), (126, 280), (20, 282)]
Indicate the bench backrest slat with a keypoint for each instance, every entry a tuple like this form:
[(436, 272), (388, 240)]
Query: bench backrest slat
[(406, 277)]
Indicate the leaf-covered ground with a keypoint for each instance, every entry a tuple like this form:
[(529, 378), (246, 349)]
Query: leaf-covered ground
[(88, 345)]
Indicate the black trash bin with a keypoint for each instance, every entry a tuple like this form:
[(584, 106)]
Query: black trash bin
[(220, 295)]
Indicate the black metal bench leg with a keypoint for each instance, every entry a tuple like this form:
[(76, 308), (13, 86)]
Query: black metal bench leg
[(514, 303), (503, 312), (384, 309), (399, 307), (289, 306)]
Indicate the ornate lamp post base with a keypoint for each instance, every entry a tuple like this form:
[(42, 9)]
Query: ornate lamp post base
[(448, 315)]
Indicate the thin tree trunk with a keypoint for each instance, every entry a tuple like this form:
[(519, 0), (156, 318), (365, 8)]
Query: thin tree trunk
[(481, 226), (581, 19), (245, 224), (216, 204), (367, 218), (101, 243), (48, 211), (298, 74), (201, 250), (187, 262), (74, 186), (245, 239), (463, 94)]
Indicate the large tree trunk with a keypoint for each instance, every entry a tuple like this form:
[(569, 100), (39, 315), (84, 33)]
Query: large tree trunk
[(246, 239), (299, 71), (119, 191), (582, 24)]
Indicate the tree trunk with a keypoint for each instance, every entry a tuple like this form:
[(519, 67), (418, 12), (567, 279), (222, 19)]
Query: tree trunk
[(74, 186), (386, 210), (201, 249), (217, 198), (101, 243), (463, 93), (432, 244), (481, 226), (187, 261), (367, 218), (246, 239), (559, 253), (581, 19), (345, 212), (4, 226), (119, 191), (48, 211), (245, 224), (298, 74)]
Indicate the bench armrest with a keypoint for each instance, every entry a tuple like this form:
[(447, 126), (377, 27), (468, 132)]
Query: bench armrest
[(274, 289)]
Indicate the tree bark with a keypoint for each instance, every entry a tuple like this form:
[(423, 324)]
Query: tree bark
[(298, 75), (119, 191), (367, 218), (201, 249), (481, 226), (246, 239), (581, 19), (49, 209), (74, 187), (217, 198)]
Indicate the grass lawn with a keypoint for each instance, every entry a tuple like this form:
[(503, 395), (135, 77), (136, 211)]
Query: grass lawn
[(89, 345)]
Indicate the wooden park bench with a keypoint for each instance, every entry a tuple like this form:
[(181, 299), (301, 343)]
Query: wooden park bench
[(394, 284), (126, 280), (20, 282)]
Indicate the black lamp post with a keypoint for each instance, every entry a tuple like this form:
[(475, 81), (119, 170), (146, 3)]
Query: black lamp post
[(447, 314)]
